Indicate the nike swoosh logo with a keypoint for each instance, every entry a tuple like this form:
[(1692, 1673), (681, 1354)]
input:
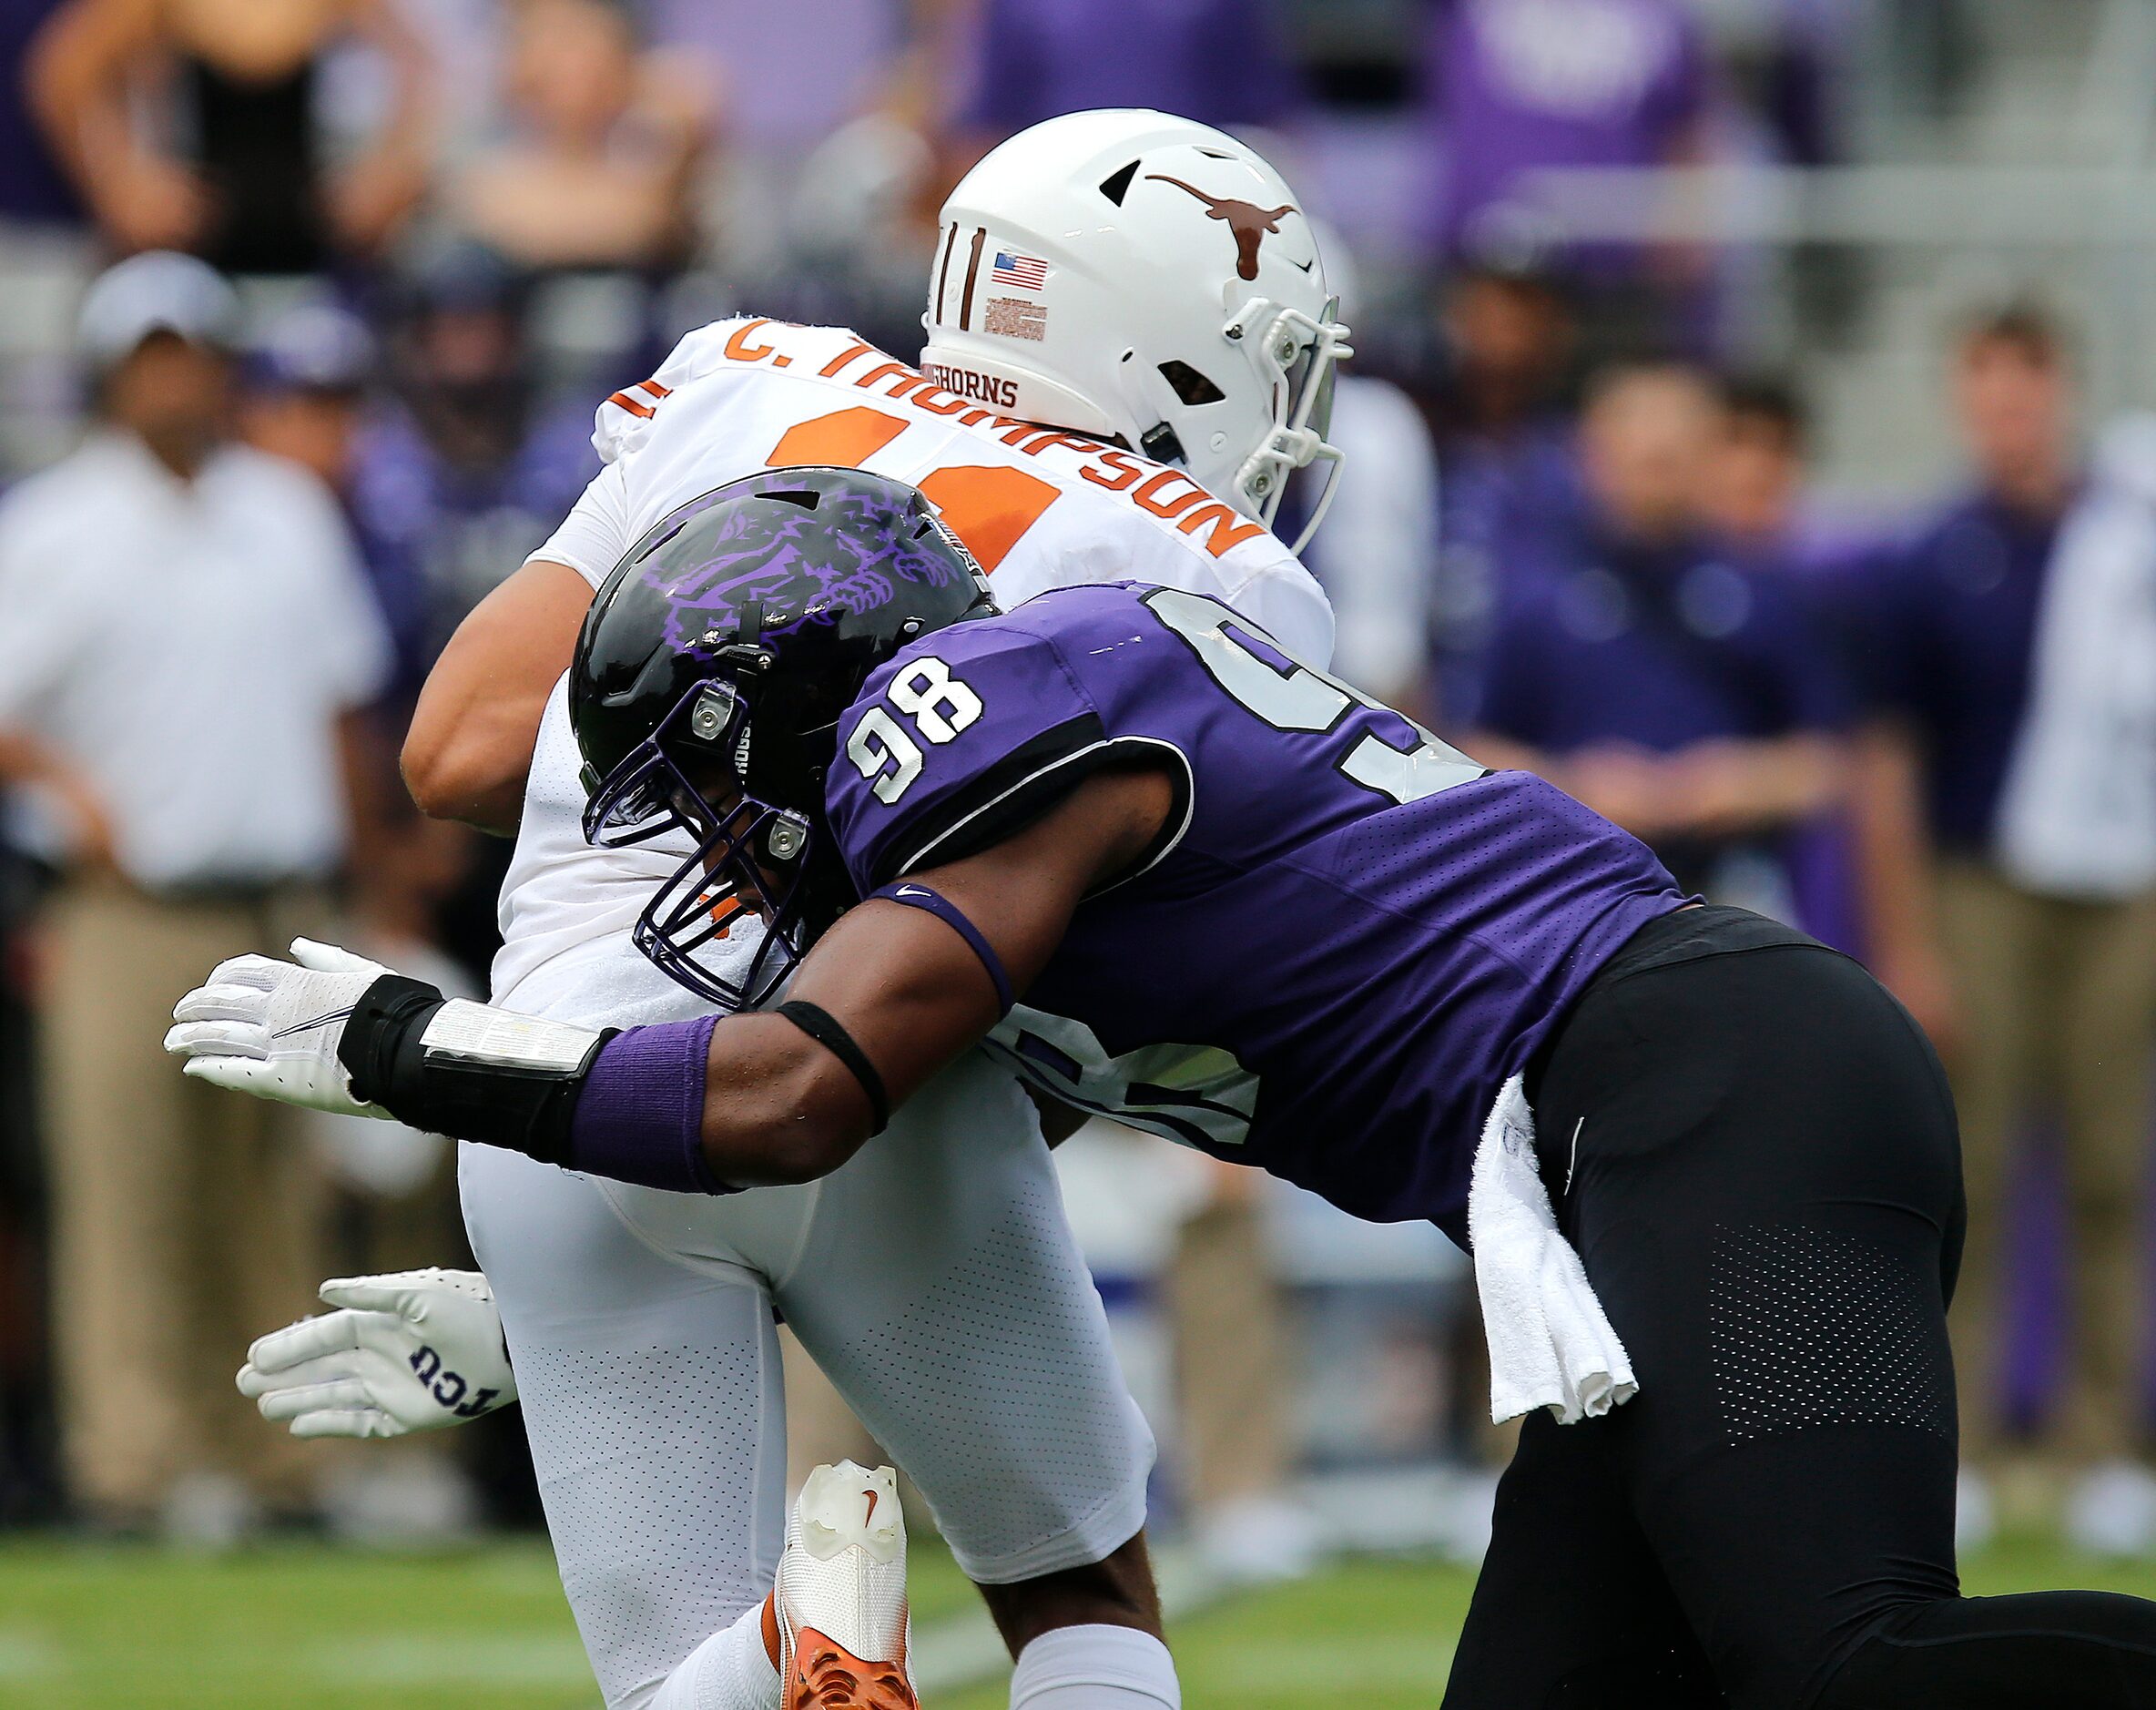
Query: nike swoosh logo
[(909, 891), (343, 1015)]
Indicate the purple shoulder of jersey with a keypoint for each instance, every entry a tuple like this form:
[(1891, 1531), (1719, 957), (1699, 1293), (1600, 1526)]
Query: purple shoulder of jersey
[(1348, 935)]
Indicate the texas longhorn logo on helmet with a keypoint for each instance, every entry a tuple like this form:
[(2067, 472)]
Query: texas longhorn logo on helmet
[(1247, 220)]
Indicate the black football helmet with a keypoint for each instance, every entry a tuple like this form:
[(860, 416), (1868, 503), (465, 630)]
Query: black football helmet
[(710, 679)]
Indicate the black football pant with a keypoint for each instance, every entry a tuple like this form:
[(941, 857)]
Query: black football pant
[(1753, 1150)]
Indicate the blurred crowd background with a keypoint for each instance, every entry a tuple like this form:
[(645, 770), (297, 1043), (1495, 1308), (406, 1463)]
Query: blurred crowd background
[(1742, 432)]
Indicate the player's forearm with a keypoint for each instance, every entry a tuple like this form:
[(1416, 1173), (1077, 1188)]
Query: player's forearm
[(469, 761), (1757, 786), (693, 1106), (777, 1107)]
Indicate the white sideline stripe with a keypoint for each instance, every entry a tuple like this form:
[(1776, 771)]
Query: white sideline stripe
[(966, 1650)]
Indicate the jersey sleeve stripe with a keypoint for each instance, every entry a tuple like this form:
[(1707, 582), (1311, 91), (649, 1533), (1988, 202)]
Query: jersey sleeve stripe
[(1006, 797), (634, 406)]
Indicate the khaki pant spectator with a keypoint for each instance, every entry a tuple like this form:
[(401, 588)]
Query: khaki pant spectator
[(2060, 1006), (1232, 1372), (185, 1218)]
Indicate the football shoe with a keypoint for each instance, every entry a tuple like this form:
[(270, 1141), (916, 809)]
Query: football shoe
[(840, 1600)]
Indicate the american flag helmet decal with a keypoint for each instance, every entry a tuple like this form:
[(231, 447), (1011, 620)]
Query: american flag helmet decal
[(1022, 272)]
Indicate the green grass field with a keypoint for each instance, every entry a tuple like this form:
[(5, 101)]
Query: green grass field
[(86, 1628)]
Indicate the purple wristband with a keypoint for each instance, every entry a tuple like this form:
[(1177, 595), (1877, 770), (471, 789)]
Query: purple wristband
[(640, 1117), (909, 893)]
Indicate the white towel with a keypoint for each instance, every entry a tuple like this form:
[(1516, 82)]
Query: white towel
[(1551, 1343)]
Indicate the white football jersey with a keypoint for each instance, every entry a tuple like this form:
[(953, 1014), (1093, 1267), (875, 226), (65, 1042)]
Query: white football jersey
[(1039, 508)]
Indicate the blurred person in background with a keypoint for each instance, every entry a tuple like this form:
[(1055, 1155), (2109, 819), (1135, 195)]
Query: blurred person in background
[(28, 1476), (602, 146), (1518, 87), (1651, 675), (465, 464), (1376, 554), (1753, 493), (304, 396), (185, 639), (41, 227), (1754, 500), (2016, 643), (1505, 443), (1220, 62), (1235, 1375), (1791, 61), (34, 190), (242, 175), (459, 472)]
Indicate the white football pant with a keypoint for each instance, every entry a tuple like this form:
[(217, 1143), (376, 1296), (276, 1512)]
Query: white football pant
[(934, 1280)]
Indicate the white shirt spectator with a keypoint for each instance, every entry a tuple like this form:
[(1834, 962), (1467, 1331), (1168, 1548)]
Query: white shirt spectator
[(189, 646), (1376, 554)]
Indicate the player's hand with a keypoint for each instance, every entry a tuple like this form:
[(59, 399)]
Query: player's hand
[(414, 1350), (271, 1028)]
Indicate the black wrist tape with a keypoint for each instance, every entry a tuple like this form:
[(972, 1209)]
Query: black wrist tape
[(384, 1052)]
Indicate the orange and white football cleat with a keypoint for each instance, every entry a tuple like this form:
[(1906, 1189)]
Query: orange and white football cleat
[(840, 1600)]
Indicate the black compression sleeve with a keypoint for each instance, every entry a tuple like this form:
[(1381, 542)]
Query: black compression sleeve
[(382, 1051), (823, 1027)]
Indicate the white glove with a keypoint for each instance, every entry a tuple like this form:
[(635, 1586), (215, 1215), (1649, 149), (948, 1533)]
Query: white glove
[(271, 1028), (411, 1352)]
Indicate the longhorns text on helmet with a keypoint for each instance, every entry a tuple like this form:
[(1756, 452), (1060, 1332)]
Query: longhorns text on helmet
[(1143, 277)]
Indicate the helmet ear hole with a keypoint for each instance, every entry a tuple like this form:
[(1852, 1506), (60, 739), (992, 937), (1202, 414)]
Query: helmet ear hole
[(1117, 184), (1190, 385)]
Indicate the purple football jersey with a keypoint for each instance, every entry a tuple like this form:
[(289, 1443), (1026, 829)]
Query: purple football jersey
[(1349, 935)]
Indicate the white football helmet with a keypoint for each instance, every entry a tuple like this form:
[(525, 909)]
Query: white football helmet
[(1133, 276)]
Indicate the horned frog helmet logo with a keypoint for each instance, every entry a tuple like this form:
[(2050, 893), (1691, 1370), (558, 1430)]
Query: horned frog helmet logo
[(1247, 221)]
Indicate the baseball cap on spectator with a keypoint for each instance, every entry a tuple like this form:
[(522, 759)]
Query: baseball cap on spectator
[(316, 347), (157, 291)]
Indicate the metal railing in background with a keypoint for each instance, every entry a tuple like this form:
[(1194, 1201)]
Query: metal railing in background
[(1933, 241)]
